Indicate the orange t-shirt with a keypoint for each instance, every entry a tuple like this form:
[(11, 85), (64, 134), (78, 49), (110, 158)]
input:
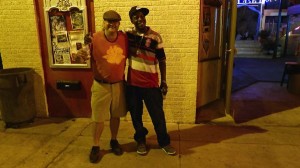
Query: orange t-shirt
[(109, 58)]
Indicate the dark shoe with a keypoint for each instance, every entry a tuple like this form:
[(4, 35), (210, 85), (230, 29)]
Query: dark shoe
[(115, 147), (95, 156), (169, 150), (141, 148)]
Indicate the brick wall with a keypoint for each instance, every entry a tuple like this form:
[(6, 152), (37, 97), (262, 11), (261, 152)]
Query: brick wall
[(178, 23), (176, 20), (19, 43)]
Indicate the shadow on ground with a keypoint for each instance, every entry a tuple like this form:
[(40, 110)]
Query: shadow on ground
[(202, 135), (262, 99)]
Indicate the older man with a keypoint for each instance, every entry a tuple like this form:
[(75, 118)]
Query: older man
[(108, 57)]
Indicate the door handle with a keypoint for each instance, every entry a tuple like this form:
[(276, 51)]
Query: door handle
[(234, 50)]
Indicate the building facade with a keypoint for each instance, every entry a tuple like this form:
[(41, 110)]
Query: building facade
[(177, 21)]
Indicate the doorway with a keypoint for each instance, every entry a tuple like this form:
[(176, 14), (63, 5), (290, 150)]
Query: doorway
[(256, 90), (215, 63)]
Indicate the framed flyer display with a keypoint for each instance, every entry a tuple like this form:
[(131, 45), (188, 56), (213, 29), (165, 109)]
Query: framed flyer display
[(66, 26)]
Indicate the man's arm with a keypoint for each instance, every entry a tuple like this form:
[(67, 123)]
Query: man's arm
[(163, 78), (162, 68), (161, 57)]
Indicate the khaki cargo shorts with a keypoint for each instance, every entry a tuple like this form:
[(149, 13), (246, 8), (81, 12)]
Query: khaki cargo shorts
[(108, 100)]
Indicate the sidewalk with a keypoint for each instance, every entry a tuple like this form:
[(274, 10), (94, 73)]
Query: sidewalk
[(271, 141)]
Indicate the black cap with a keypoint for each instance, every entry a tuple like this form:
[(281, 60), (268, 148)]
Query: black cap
[(111, 15), (135, 9)]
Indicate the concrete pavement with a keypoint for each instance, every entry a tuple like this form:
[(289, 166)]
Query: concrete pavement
[(270, 141)]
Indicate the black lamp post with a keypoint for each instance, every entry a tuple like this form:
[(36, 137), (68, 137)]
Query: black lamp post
[(278, 27)]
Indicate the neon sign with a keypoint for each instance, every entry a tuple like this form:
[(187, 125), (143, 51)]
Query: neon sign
[(250, 1), (254, 1)]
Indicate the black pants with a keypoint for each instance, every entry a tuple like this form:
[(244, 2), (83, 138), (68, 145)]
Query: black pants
[(154, 102)]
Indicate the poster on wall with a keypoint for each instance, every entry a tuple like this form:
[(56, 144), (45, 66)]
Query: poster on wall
[(77, 20), (62, 38), (57, 23), (210, 36), (206, 32), (206, 19), (205, 44), (67, 28), (76, 43), (62, 56)]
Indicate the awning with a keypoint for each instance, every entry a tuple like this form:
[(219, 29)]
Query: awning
[(293, 10)]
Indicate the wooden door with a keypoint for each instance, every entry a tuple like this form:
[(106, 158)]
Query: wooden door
[(229, 50), (215, 60)]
